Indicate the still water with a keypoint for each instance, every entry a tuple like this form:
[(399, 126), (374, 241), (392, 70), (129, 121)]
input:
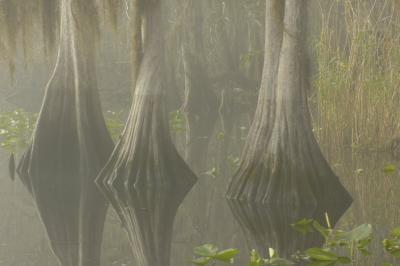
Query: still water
[(376, 201)]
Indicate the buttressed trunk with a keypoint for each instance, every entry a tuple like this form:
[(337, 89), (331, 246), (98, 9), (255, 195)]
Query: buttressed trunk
[(282, 162), (71, 144), (145, 179)]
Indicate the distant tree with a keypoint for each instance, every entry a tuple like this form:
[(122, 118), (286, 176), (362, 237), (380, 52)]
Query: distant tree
[(200, 102)]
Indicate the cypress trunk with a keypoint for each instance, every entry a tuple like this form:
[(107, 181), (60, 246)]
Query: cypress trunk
[(70, 144), (145, 179), (283, 176), (282, 162)]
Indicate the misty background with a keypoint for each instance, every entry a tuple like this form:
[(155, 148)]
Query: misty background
[(354, 48)]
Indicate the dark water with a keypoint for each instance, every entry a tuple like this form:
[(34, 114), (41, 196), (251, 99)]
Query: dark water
[(376, 201)]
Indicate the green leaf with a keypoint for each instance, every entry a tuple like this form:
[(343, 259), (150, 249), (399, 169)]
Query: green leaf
[(389, 244), (395, 253), (280, 262), (321, 229), (255, 259), (16, 128), (220, 135), (344, 260), (387, 264), (304, 226), (322, 263), (361, 232), (389, 169), (359, 171), (319, 254), (362, 244), (212, 172), (272, 253), (207, 250), (365, 251), (226, 255), (177, 121), (201, 261), (396, 232), (392, 246)]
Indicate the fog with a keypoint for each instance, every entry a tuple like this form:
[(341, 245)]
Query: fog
[(134, 132)]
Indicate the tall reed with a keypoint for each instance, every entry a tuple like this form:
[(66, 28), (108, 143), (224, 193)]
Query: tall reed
[(358, 74)]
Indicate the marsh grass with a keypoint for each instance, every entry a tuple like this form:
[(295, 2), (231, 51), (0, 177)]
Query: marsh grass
[(358, 74)]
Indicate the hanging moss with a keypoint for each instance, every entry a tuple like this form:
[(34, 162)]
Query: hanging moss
[(21, 19)]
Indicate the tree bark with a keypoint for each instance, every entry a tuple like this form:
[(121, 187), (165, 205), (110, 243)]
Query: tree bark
[(281, 162), (145, 179), (70, 144)]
